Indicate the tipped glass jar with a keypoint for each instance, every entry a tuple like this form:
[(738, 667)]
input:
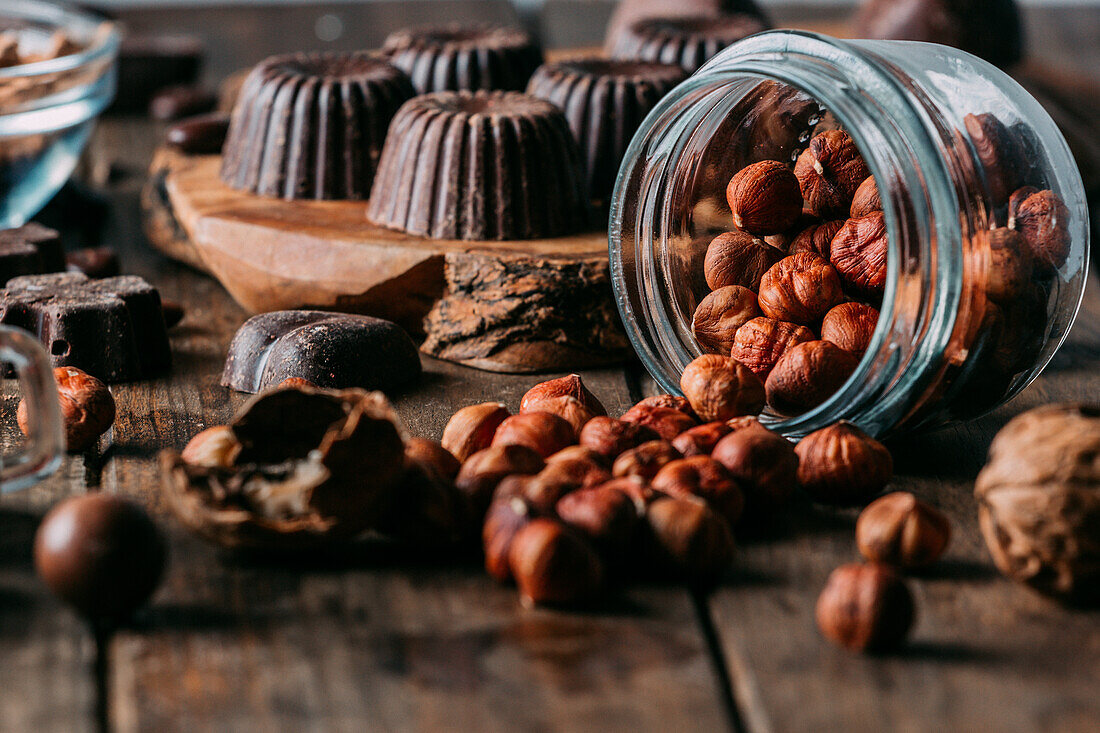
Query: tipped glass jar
[(985, 215)]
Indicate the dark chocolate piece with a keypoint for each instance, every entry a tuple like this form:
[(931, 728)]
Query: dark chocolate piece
[(480, 165), (113, 328), (311, 126), (604, 102), (628, 12), (689, 42), (199, 135), (456, 57), (330, 350), (29, 250), (175, 103)]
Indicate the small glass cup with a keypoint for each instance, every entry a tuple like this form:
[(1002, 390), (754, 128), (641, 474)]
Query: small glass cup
[(40, 455)]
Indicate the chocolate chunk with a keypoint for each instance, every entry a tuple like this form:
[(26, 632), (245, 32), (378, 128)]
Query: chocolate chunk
[(113, 328), (175, 103), (95, 262), (29, 250), (332, 350), (199, 135)]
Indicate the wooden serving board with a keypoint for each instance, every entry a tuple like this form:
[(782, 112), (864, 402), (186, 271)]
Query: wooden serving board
[(519, 306)]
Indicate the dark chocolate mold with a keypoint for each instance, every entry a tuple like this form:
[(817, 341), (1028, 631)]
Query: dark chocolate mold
[(451, 58), (31, 249), (481, 166), (331, 350), (311, 126), (689, 42), (604, 102), (112, 328)]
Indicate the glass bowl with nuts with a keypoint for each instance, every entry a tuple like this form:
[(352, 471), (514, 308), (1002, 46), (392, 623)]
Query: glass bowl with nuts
[(57, 73), (889, 233)]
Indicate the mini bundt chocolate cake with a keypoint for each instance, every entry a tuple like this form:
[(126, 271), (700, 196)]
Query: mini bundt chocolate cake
[(689, 42), (311, 126), (604, 102), (480, 165), (453, 58)]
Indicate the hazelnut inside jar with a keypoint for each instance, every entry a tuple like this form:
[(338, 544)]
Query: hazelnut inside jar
[(910, 220)]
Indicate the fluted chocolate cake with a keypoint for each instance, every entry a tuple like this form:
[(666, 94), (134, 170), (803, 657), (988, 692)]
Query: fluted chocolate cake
[(464, 57), (604, 102), (481, 166), (689, 42), (311, 126)]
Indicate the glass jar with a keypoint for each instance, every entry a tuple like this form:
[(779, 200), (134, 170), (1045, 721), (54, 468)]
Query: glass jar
[(948, 138)]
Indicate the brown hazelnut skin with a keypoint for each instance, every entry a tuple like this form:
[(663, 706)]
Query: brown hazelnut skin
[(807, 375), (866, 199), (843, 465), (434, 457), (568, 386), (816, 238), (999, 152), (645, 460), (800, 289), (610, 437), (666, 422), (865, 607), (763, 463), (543, 490), (760, 342), (701, 439), (506, 517), (850, 326), (720, 314), (690, 540), (568, 408), (577, 452), (705, 478), (829, 172), (738, 258), (542, 432), (859, 254), (1043, 220), (215, 447), (719, 388), (483, 471), (552, 564), (87, 408), (674, 402), (1009, 264), (764, 198), (471, 429), (900, 530), (605, 515)]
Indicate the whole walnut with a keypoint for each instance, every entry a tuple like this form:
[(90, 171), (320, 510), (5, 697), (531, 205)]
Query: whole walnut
[(1039, 500)]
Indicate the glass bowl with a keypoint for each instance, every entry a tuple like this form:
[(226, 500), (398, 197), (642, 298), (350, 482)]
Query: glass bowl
[(48, 107)]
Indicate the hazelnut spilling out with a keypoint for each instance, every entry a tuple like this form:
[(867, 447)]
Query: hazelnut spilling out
[(901, 530), (865, 608), (87, 408), (841, 464), (720, 388)]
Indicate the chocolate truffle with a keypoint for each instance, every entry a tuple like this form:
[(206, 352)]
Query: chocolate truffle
[(480, 165), (604, 102), (29, 250), (452, 58), (112, 328), (331, 350), (311, 126), (689, 42)]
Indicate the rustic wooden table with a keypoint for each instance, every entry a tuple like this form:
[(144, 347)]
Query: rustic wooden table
[(377, 641)]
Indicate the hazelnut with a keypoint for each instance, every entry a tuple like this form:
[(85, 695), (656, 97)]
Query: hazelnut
[(568, 386), (829, 172), (807, 375), (850, 326), (666, 422), (1018, 196), (738, 258), (900, 530), (701, 439), (636, 489), (705, 478), (866, 199), (865, 607), (859, 253), (1008, 271), (557, 479), (552, 564), (542, 432), (215, 447), (568, 408), (763, 464), (610, 437), (800, 288), (764, 198), (505, 518), (605, 515), (720, 314), (760, 342), (1043, 220), (295, 383), (483, 471), (87, 408), (577, 452), (471, 429), (841, 464), (816, 238), (665, 400), (999, 153), (433, 457), (690, 540), (719, 388), (745, 421), (645, 460)]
